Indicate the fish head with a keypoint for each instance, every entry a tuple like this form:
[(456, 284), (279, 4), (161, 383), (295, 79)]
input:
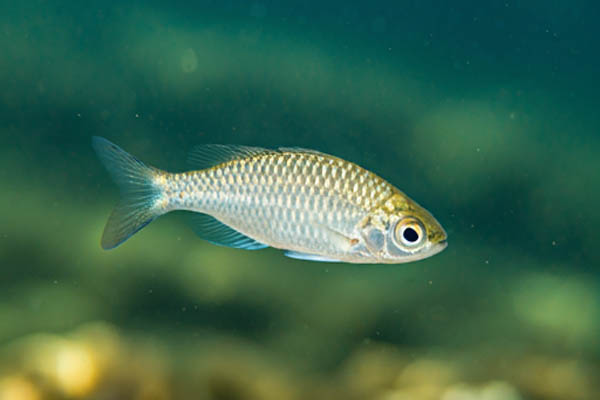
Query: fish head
[(400, 230)]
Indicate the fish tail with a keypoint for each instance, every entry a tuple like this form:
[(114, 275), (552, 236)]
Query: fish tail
[(141, 195)]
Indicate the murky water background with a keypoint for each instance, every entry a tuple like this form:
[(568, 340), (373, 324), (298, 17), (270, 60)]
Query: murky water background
[(485, 114)]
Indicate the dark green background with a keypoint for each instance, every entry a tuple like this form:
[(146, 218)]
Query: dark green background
[(486, 113)]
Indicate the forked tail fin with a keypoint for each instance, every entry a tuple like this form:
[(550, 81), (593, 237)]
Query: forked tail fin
[(139, 193)]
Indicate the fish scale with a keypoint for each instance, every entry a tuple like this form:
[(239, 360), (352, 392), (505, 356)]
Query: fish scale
[(286, 199), (315, 206)]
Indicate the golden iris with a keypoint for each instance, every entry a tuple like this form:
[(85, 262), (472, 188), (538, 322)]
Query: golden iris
[(409, 233)]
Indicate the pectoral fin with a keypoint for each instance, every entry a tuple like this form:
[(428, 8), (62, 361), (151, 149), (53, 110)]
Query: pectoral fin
[(340, 240)]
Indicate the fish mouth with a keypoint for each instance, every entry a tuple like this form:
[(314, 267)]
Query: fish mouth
[(439, 246)]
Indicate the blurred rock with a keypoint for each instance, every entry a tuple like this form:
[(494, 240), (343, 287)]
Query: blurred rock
[(225, 368), (383, 372), (17, 387), (96, 361), (499, 391), (558, 379), (69, 365), (371, 369), (491, 391)]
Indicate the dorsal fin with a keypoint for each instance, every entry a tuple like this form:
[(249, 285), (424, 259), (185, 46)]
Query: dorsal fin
[(208, 155), (302, 150), (216, 232)]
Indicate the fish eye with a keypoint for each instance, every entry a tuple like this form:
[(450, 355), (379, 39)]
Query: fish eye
[(410, 235), (409, 232)]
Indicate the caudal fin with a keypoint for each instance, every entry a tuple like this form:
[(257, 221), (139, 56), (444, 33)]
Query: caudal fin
[(136, 209)]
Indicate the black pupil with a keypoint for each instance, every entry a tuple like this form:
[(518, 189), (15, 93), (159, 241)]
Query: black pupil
[(410, 235)]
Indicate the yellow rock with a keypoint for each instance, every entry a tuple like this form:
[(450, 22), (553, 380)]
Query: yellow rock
[(18, 388)]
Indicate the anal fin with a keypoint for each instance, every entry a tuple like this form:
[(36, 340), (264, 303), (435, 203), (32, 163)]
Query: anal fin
[(310, 257)]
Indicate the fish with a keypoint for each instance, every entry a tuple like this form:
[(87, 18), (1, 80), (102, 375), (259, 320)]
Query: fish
[(312, 205)]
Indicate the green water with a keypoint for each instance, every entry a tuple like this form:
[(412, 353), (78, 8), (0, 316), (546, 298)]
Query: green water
[(486, 114)]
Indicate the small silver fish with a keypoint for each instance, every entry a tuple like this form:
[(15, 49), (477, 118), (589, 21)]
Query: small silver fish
[(315, 206)]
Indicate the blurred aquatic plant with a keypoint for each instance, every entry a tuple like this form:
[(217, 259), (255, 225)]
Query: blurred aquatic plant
[(563, 310)]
